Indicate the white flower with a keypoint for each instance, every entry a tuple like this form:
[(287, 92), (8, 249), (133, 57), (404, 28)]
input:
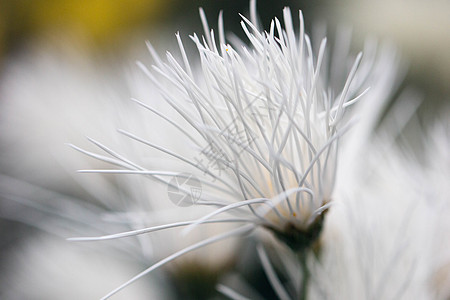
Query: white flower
[(264, 118), (268, 117), (260, 127)]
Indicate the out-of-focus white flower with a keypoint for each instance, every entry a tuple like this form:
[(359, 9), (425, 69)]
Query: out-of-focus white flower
[(387, 237), (49, 101), (51, 97), (44, 267), (437, 174), (375, 243)]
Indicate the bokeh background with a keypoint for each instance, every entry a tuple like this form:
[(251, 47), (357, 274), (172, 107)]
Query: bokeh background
[(105, 37)]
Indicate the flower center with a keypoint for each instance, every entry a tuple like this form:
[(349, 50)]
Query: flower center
[(299, 238)]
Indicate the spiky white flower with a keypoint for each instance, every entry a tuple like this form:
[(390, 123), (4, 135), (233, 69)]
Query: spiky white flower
[(260, 125)]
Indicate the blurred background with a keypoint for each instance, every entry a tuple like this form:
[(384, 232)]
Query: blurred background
[(51, 49), (110, 29)]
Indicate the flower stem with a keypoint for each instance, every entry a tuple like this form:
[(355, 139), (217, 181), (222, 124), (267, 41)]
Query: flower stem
[(306, 274)]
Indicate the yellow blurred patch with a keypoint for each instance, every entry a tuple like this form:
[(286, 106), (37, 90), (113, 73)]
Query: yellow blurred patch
[(97, 21)]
